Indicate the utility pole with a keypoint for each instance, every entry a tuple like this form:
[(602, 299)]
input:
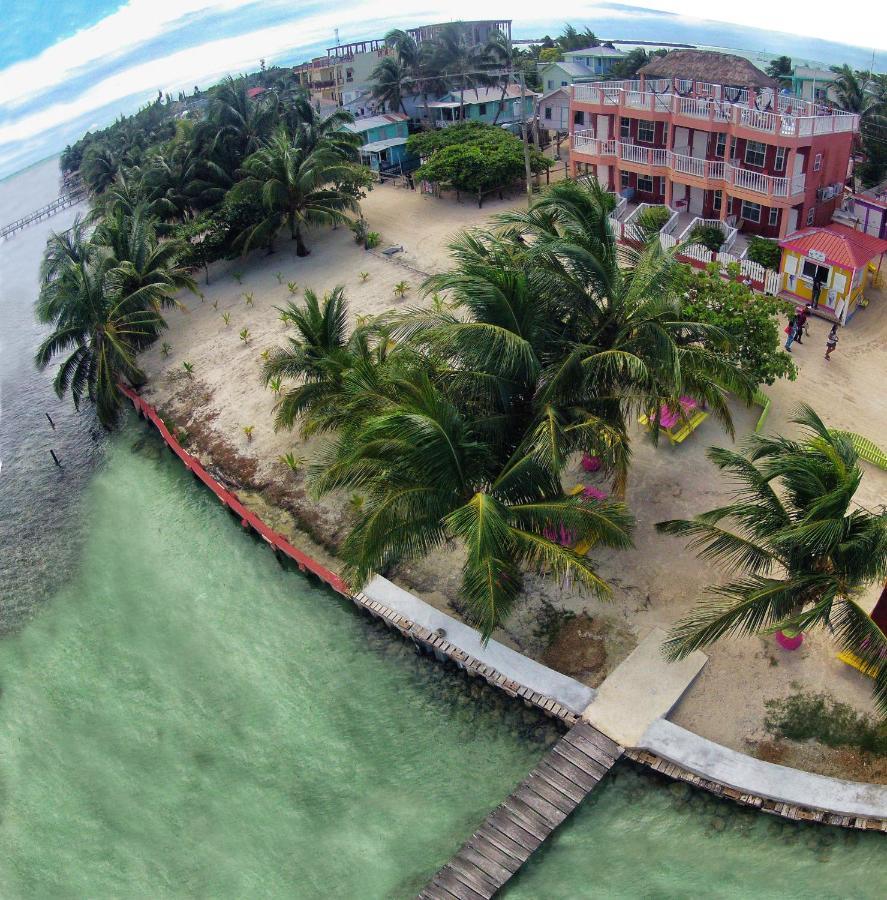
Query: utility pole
[(523, 122)]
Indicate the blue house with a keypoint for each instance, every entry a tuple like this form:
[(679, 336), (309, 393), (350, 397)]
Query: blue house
[(483, 104), (384, 139), (597, 60)]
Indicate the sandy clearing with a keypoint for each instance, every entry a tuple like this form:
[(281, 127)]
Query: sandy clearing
[(655, 584)]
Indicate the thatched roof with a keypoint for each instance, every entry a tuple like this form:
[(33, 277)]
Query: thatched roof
[(709, 66)]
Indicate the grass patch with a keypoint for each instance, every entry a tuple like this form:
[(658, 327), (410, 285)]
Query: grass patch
[(803, 717)]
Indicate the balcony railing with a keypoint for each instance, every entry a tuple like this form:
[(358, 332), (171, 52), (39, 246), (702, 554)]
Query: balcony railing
[(785, 116), (713, 170)]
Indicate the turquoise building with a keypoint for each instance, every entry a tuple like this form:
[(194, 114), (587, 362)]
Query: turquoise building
[(384, 139), (482, 105)]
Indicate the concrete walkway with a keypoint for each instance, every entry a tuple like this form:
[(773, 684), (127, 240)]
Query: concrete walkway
[(641, 689)]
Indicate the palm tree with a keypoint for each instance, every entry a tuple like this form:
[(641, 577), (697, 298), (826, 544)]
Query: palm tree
[(101, 329), (391, 80), (803, 547), (458, 60), (419, 63), (317, 358), (428, 476), (625, 343), (99, 168), (571, 39), (140, 266), (297, 188), (311, 129), (239, 120), (781, 69), (500, 55)]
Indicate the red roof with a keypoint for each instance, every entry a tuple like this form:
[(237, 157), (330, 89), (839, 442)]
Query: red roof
[(255, 91), (842, 246)]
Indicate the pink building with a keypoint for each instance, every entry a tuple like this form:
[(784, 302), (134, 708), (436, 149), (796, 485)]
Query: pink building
[(710, 135)]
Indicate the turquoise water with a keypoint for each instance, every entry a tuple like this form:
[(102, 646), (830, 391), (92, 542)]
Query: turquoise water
[(186, 718), (641, 835)]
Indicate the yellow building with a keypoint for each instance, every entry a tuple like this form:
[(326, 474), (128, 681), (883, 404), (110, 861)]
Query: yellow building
[(830, 267)]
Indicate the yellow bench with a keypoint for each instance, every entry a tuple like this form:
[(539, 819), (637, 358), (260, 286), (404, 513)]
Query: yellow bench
[(688, 426), (853, 660)]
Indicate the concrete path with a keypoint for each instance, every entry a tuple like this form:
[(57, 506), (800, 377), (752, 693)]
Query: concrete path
[(641, 689)]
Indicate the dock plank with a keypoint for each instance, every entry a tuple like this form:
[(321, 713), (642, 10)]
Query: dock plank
[(521, 823)]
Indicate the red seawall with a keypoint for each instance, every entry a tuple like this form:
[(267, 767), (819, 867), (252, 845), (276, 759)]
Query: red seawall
[(247, 519)]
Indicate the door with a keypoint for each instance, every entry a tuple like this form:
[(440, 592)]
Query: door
[(697, 199), (602, 128), (792, 220), (700, 143)]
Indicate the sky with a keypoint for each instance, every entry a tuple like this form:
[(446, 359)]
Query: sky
[(70, 65)]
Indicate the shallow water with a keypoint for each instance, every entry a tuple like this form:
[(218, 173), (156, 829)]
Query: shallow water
[(184, 717)]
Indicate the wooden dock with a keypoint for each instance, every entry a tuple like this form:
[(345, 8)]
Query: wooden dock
[(514, 830), (57, 205)]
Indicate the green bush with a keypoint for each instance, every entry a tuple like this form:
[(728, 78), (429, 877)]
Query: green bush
[(765, 253), (653, 218), (709, 236), (373, 239), (803, 717)]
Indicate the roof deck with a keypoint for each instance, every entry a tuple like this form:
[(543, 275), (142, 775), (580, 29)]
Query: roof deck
[(715, 107)]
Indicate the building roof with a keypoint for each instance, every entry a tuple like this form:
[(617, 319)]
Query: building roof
[(484, 95), (552, 94), (378, 121), (875, 196), (707, 66), (573, 69), (255, 91), (808, 73), (841, 246), (596, 51), (379, 146)]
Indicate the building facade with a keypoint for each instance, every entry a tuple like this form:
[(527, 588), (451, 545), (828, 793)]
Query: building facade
[(731, 148), (484, 104), (596, 61), (383, 138)]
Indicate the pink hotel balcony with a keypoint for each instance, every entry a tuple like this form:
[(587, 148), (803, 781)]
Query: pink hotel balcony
[(715, 108), (696, 171)]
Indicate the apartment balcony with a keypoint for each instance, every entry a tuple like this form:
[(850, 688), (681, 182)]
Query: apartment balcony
[(719, 109), (687, 169)]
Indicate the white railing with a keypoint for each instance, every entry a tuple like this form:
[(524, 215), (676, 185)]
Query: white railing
[(632, 231), (767, 185), (692, 166), (698, 221), (785, 116)]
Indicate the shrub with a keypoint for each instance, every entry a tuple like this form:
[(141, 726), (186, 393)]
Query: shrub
[(244, 335), (766, 253), (248, 431), (819, 717), (164, 349), (189, 369), (653, 218), (373, 239), (710, 236)]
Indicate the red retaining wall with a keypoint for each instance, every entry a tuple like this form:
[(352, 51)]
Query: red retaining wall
[(247, 519)]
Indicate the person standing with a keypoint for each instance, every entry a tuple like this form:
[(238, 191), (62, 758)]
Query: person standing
[(831, 341), (816, 290), (791, 330)]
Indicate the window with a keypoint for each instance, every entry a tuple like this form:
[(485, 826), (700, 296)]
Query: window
[(811, 215), (773, 216), (624, 129), (815, 272), (578, 117), (482, 109), (779, 162), (548, 112), (662, 185), (550, 84), (349, 74), (624, 180), (751, 211), (817, 162), (565, 84), (645, 183), (732, 148), (665, 133), (717, 200), (720, 144), (755, 153), (646, 131)]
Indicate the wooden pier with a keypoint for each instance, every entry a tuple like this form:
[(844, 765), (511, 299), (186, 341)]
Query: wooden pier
[(567, 774), (57, 205)]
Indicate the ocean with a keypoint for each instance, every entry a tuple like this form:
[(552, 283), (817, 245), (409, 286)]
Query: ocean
[(90, 61)]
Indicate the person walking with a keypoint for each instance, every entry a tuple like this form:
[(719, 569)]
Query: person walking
[(831, 341), (801, 314), (791, 330)]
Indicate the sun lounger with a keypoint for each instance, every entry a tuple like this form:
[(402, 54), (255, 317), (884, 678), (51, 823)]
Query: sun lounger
[(678, 426)]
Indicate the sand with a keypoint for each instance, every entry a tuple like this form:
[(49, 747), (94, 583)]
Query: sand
[(653, 585)]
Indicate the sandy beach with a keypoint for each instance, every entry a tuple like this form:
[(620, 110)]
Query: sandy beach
[(653, 585)]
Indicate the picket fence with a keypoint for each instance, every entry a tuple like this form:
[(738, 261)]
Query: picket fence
[(763, 280)]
